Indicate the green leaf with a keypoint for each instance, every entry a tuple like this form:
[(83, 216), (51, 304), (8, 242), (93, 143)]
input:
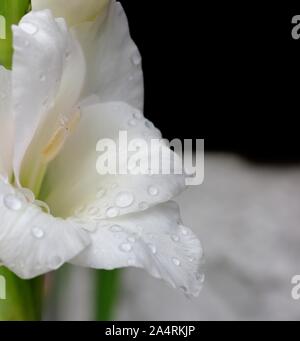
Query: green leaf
[(11, 11)]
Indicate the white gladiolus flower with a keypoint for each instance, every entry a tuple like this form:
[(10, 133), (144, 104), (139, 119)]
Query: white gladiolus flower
[(74, 81)]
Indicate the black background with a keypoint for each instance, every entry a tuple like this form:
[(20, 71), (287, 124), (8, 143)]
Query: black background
[(226, 72)]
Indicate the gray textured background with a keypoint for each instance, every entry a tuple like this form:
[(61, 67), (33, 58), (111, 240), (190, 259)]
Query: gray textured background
[(247, 217)]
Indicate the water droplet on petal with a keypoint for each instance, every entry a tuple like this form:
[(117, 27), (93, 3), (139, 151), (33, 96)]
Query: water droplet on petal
[(200, 277), (112, 212), (28, 28), (132, 122), (37, 232), (101, 192), (55, 262), (13, 202), (183, 230), (28, 194), (41, 204), (143, 206), (89, 226), (153, 191), (124, 199), (126, 247), (176, 261), (26, 43), (149, 124), (116, 228), (184, 289), (136, 59), (93, 211), (175, 238)]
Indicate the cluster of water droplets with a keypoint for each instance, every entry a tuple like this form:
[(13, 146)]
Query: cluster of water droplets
[(19, 199), (123, 199)]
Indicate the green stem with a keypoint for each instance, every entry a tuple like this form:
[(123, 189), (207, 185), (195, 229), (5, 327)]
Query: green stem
[(11, 11), (23, 298), (107, 294)]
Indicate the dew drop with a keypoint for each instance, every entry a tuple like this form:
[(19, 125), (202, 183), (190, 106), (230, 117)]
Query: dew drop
[(13, 202), (153, 191), (143, 206), (93, 211), (124, 199), (55, 262), (149, 124), (200, 277), (112, 212), (184, 289), (26, 43), (37, 233), (136, 59), (175, 238), (126, 247), (89, 227), (101, 192), (116, 228), (132, 122), (28, 194), (176, 261), (44, 207), (28, 28), (183, 230)]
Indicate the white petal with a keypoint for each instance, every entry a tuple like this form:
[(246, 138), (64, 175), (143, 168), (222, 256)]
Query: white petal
[(6, 123), (153, 240), (43, 79), (31, 241), (114, 62), (73, 11), (72, 184)]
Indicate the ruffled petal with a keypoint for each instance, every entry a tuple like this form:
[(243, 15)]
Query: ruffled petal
[(73, 11), (73, 186), (6, 124), (114, 63), (33, 242), (154, 240), (43, 80)]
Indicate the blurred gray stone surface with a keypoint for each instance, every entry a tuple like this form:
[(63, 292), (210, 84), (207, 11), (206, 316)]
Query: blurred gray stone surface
[(248, 218)]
